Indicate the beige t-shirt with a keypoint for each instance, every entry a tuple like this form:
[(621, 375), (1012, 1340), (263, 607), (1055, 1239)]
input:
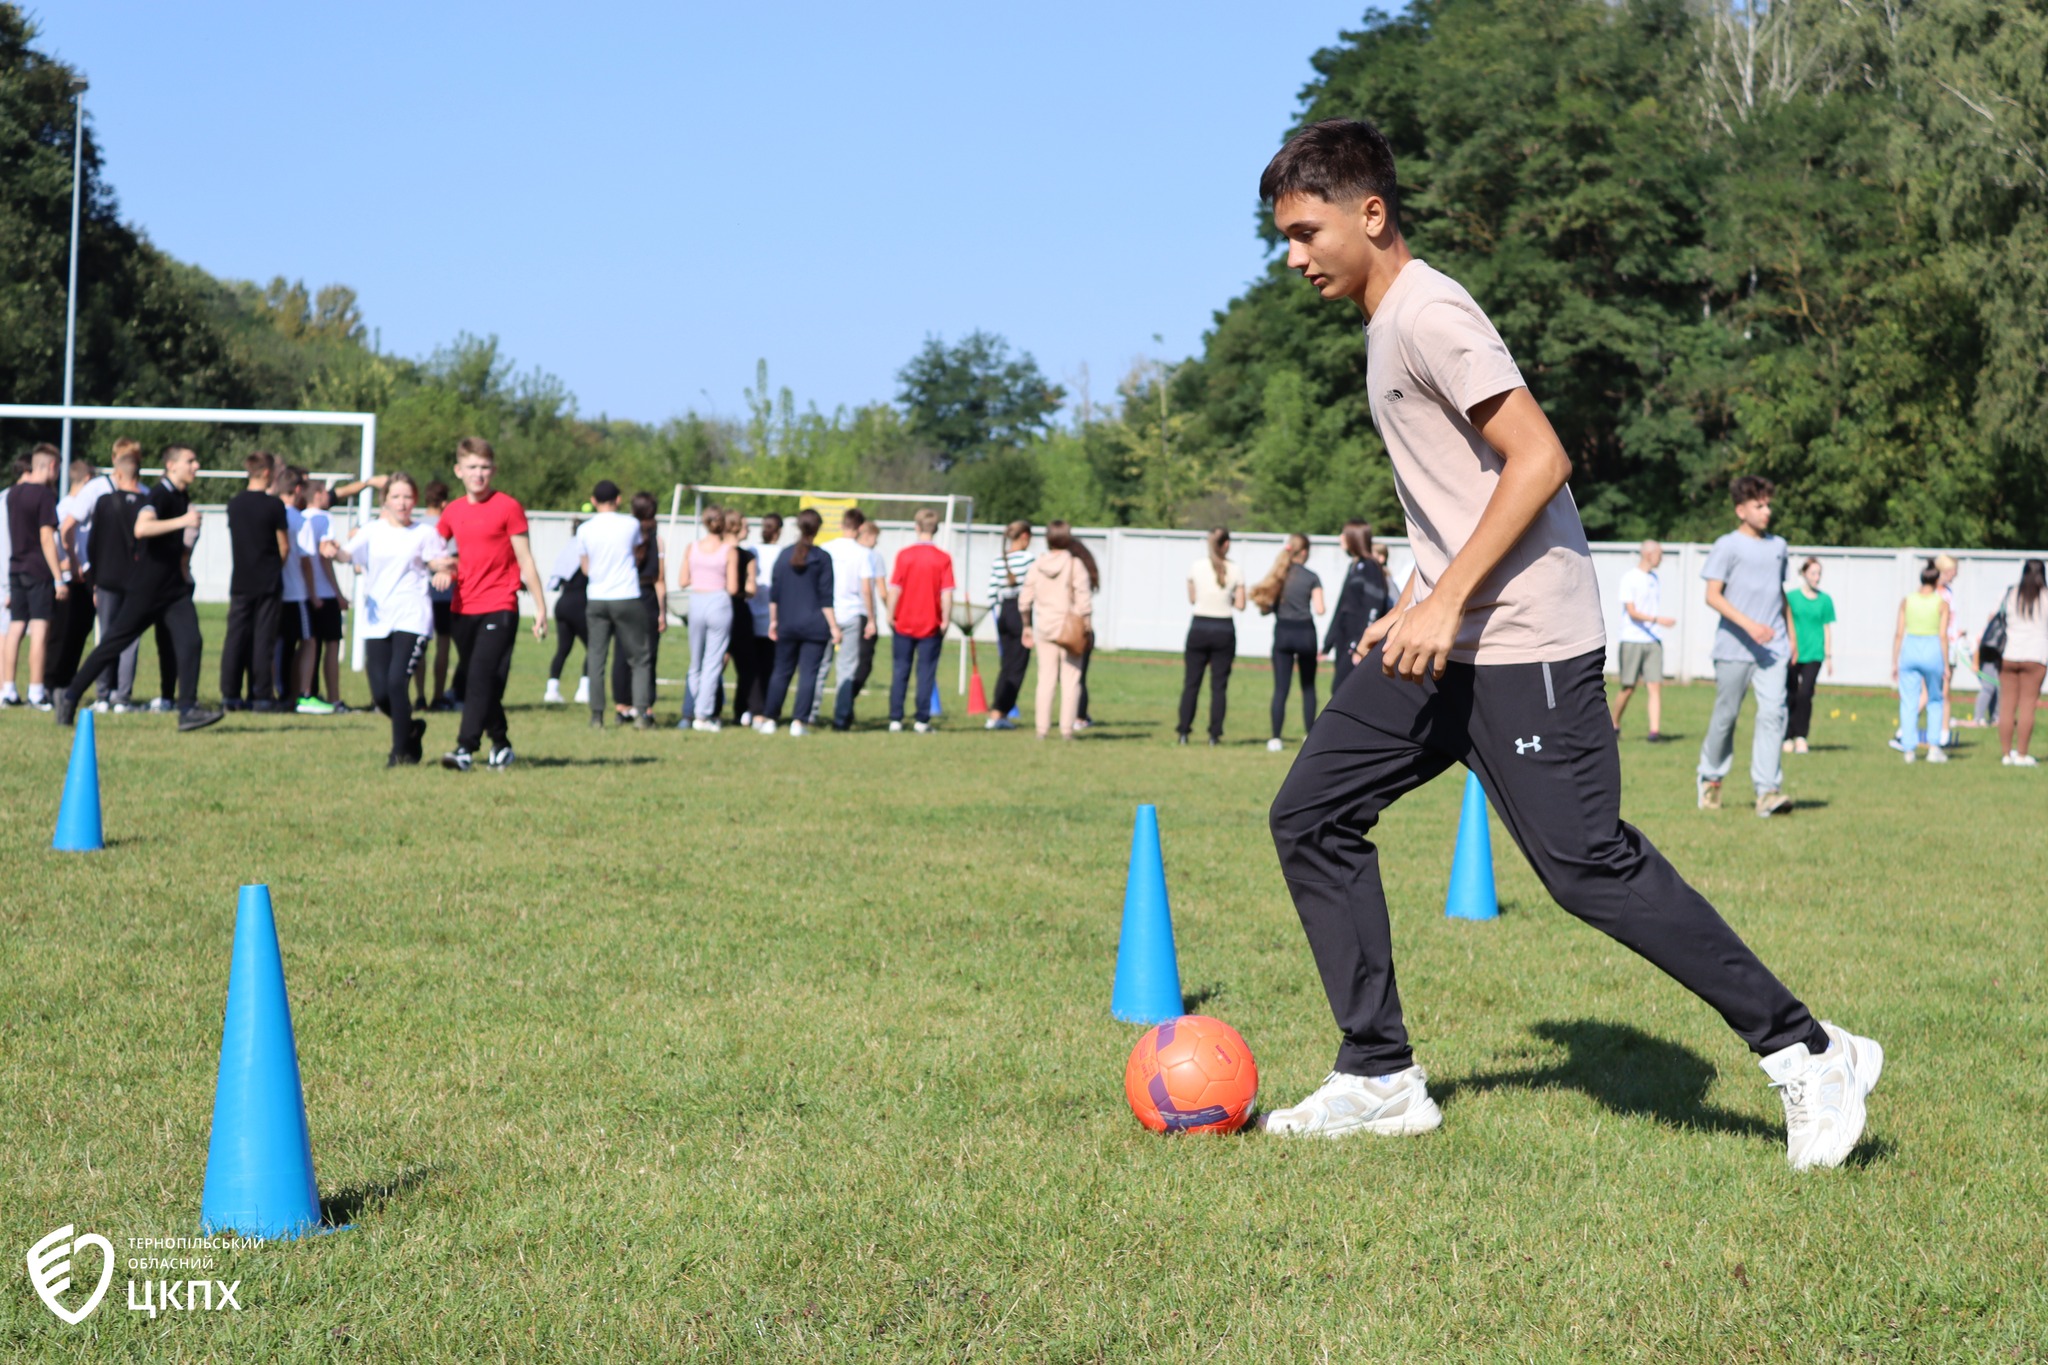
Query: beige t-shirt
[(1210, 599), (1431, 357)]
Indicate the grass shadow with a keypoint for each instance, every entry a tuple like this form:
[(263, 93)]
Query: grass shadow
[(631, 760), (347, 1204), (1201, 995), (1627, 1071)]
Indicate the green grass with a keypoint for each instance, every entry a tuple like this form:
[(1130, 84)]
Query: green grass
[(722, 1047)]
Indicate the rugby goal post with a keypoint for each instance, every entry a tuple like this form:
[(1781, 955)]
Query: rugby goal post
[(365, 422), (954, 533)]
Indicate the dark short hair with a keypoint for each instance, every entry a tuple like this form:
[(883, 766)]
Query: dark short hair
[(257, 463), (435, 494), (854, 518), (1749, 488), (1336, 160), (606, 491), (1930, 575), (45, 451), (643, 506)]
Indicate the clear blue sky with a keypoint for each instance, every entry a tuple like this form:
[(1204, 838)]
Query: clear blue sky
[(643, 198)]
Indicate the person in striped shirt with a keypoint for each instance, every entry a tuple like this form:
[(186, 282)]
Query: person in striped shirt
[(1005, 582)]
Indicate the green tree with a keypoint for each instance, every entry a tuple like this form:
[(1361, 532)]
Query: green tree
[(971, 401)]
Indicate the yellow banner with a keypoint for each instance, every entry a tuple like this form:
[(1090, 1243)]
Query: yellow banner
[(831, 509)]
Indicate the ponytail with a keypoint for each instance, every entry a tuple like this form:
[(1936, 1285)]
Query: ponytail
[(807, 524), (1267, 594), (1219, 537)]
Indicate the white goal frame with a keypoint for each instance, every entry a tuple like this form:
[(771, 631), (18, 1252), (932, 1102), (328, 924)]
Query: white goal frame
[(366, 422), (949, 526)]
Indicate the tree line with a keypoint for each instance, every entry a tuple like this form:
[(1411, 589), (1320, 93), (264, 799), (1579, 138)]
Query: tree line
[(1802, 239)]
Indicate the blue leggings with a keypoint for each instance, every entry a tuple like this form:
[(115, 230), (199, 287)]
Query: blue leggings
[(1920, 669)]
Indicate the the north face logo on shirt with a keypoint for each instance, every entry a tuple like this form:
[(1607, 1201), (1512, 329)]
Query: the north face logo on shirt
[(1395, 395)]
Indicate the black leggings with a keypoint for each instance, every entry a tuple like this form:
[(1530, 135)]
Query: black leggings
[(391, 662), (1212, 645), (1015, 658), (572, 625), (1294, 647), (486, 641), (1805, 677)]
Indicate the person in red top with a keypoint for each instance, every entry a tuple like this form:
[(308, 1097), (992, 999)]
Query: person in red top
[(493, 559), (920, 600)]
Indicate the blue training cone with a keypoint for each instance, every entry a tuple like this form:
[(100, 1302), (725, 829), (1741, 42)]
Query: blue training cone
[(1471, 894), (259, 1162), (78, 815), (1147, 970)]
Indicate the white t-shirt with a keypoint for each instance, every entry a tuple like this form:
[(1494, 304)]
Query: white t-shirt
[(79, 507), (295, 555), (318, 526), (1212, 599), (397, 591), (566, 564), (1641, 589), (607, 540), (850, 568), (764, 579)]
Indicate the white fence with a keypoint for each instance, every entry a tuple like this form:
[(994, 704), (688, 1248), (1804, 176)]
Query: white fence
[(1143, 603)]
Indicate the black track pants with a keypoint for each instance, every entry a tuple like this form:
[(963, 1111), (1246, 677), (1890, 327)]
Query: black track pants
[(251, 643), (1212, 645), (1294, 648), (798, 659), (1015, 658), (486, 641), (391, 662), (176, 623), (1540, 739)]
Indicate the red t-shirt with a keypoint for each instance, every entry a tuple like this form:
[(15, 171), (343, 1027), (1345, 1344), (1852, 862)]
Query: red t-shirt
[(487, 574), (923, 572)]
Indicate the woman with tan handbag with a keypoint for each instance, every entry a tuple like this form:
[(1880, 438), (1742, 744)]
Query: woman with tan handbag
[(1056, 604)]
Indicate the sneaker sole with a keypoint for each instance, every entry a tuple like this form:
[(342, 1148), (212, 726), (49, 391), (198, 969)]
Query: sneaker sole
[(1411, 1124)]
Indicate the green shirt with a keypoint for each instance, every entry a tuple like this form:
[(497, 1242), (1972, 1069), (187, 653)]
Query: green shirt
[(1810, 618)]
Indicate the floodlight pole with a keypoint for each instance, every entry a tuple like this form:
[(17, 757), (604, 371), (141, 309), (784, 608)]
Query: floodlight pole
[(71, 289)]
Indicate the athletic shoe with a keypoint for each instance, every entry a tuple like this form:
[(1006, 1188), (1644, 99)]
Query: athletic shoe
[(709, 727), (1799, 746), (643, 721), (419, 733), (502, 758), (10, 699), (1824, 1095), (583, 690), (162, 706), (895, 727), (922, 727), (342, 708), (232, 704), (67, 709), (1936, 754), (313, 706), (1274, 746), (38, 704), (1214, 742), (993, 723), (1772, 802), (1653, 738), (100, 708), (1083, 723), (796, 728), (444, 702), (1710, 794), (766, 727), (553, 696), (264, 707), (1393, 1106), (458, 761), (2025, 761), (1899, 744), (597, 720), (405, 760), (1181, 741), (197, 718), (1912, 757), (747, 718), (125, 708)]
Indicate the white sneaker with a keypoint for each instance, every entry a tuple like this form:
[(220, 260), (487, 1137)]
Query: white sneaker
[(1824, 1095), (709, 727), (1911, 756), (747, 718), (796, 728), (2025, 761), (922, 727), (1393, 1105), (1936, 754), (553, 696), (1274, 746), (583, 690), (766, 727), (991, 723), (895, 727), (100, 708)]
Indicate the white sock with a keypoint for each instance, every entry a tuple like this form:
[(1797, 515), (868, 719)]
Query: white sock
[(36, 692)]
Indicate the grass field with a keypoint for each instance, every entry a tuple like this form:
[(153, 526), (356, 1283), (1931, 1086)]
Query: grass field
[(722, 1047)]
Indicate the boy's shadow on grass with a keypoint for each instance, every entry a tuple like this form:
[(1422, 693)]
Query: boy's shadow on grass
[(627, 759), (1629, 1072)]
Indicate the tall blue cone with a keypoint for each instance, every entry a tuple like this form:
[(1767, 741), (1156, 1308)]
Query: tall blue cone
[(259, 1163), (1147, 970), (78, 815), (1471, 894)]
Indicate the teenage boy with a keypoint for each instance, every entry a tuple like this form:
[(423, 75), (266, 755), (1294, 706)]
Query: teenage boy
[(259, 540), (493, 560), (328, 602), (853, 603), (74, 533), (1493, 656), (920, 603), (110, 547), (1745, 573), (36, 590), (609, 551), (159, 592), (1642, 648)]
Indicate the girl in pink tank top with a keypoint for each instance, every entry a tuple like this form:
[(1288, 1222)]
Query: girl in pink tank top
[(707, 564)]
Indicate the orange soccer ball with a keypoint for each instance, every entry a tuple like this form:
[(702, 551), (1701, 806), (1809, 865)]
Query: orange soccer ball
[(1191, 1075)]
